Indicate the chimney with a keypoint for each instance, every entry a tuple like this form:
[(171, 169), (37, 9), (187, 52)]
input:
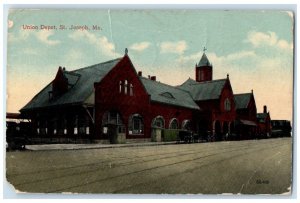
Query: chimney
[(148, 76), (153, 78), (265, 109), (140, 73)]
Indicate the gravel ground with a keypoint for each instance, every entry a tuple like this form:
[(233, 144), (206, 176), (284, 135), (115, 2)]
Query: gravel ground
[(240, 167)]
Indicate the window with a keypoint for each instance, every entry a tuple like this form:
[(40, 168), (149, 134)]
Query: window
[(131, 90), (87, 130), (158, 122), (128, 87), (105, 130), (227, 105), (168, 95), (173, 124), (120, 87), (111, 117), (75, 124), (125, 86), (54, 127), (135, 124), (75, 131)]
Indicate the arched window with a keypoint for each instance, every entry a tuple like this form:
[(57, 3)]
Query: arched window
[(173, 124), (227, 105), (158, 122), (125, 87), (136, 125), (186, 125), (131, 90)]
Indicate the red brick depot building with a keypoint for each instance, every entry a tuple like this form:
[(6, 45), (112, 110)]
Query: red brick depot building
[(86, 103)]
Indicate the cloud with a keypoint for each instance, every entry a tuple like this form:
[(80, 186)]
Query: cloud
[(75, 58), (284, 44), (173, 47), (101, 43), (140, 46), (10, 23), (44, 35), (30, 51), (194, 58), (258, 39), (18, 37), (240, 55)]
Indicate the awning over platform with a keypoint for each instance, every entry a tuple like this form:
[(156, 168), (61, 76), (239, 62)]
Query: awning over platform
[(247, 122), (13, 115)]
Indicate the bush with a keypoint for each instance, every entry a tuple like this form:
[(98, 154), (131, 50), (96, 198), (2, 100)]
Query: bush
[(169, 135)]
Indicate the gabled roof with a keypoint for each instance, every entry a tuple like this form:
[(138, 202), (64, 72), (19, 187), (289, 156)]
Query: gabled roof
[(242, 100), (204, 61), (81, 86), (167, 94), (262, 115), (201, 91)]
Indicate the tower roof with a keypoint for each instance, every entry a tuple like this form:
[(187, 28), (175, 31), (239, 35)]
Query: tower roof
[(204, 61)]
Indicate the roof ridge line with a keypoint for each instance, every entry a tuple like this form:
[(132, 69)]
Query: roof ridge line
[(95, 64), (242, 94), (211, 81), (176, 87), (72, 73)]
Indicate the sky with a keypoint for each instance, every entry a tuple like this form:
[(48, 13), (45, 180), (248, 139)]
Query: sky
[(254, 47)]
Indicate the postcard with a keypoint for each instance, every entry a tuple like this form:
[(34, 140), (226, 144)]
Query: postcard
[(104, 101)]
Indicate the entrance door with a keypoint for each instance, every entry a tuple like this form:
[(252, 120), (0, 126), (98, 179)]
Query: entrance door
[(218, 133)]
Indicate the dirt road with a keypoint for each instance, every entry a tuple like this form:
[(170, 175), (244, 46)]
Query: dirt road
[(241, 167)]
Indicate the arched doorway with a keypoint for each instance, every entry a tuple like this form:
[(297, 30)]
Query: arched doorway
[(204, 130), (186, 125), (173, 124), (136, 125), (157, 126), (158, 122)]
